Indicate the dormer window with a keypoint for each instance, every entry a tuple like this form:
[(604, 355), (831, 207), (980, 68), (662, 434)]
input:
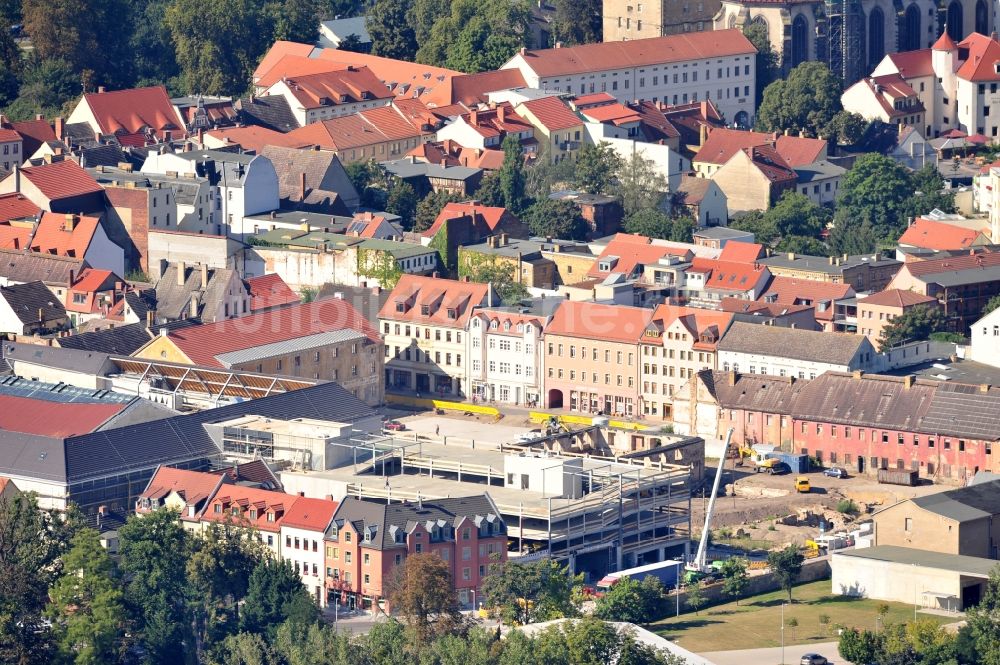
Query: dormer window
[(218, 508), (270, 516), (520, 327), (235, 510), (452, 313), (253, 513), (333, 532), (400, 307), (425, 310), (506, 326)]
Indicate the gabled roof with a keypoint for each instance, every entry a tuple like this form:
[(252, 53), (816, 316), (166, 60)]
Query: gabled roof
[(723, 143), (33, 134), (272, 113), (21, 266), (173, 300), (64, 235), (794, 291), (310, 514), (708, 323), (983, 56), (632, 251), (32, 301), (616, 114), (15, 236), (268, 291), (771, 164), (730, 276), (800, 150), (17, 206), (552, 113), (132, 111), (609, 323), (91, 280), (485, 217), (741, 252), (932, 234), (496, 121), (637, 53), (195, 487), (328, 188), (795, 343), (61, 180), (54, 419), (246, 499), (913, 64), (359, 129), (927, 270), (897, 298), (344, 84), (204, 344), (472, 89), (254, 137), (439, 295), (121, 340)]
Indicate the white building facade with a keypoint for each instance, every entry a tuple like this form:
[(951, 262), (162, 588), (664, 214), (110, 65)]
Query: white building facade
[(505, 357)]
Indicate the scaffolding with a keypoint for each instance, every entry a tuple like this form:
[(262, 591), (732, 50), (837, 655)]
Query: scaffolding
[(846, 39)]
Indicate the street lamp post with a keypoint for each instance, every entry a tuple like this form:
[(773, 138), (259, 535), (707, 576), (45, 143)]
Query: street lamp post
[(782, 634)]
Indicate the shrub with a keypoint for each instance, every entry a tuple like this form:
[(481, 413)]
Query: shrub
[(848, 507)]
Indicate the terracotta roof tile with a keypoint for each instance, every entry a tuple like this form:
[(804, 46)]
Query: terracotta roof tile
[(552, 113), (741, 252), (792, 291), (414, 292), (799, 150), (897, 298), (247, 498), (611, 323), (342, 85), (636, 53), (196, 487), (53, 236), (616, 113), (722, 144), (740, 277), (632, 251), (486, 216), (203, 343), (14, 237), (931, 234), (91, 280), (17, 206), (269, 291), (980, 65), (61, 180), (129, 111), (472, 89), (253, 137), (8, 135), (310, 514), (33, 134), (913, 64), (921, 269)]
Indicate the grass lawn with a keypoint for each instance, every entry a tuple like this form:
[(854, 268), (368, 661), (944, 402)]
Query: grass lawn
[(756, 621)]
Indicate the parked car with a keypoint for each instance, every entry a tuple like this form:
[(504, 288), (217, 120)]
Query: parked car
[(779, 469), (835, 472), (802, 485), (530, 437), (813, 659), (394, 426)]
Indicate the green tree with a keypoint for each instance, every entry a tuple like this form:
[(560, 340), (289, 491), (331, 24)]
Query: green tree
[(846, 128), (32, 543), (390, 29), (577, 22), (511, 175), (849, 237), (529, 592), (596, 166), (424, 14), (489, 191), (802, 245), (876, 190), (795, 215), (735, 577), (786, 565), (154, 550), (859, 646), (755, 222), (639, 186), (274, 593), (46, 85), (353, 44), (477, 35), (916, 323), (806, 101), (495, 270), (696, 597), (88, 616), (217, 45), (402, 201), (653, 223), (386, 643), (928, 193), (153, 59), (316, 644), (244, 649), (294, 20), (683, 227), (556, 219), (431, 206), (766, 60), (980, 639), (372, 182), (991, 305), (423, 592), (632, 601)]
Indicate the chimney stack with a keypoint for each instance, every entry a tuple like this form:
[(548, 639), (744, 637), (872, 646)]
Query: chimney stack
[(58, 128), (149, 318), (302, 186), (181, 273), (195, 302), (984, 387), (204, 276), (908, 381), (473, 117), (70, 222), (100, 89)]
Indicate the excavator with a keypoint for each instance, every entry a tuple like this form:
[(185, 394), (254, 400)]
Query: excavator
[(699, 568), (759, 460)]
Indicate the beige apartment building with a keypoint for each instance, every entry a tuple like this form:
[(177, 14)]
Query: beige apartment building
[(628, 19), (878, 310), (677, 343)]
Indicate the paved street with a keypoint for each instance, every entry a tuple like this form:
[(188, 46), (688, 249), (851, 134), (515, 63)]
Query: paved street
[(772, 656)]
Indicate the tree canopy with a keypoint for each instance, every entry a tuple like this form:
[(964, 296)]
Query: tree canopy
[(477, 35), (786, 565), (766, 60), (916, 323), (872, 205), (596, 166), (557, 219), (806, 102), (633, 601)]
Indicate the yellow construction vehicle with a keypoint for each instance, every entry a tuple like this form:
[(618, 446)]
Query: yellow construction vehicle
[(758, 458)]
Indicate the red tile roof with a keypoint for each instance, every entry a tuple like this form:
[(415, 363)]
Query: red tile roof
[(488, 217), (742, 252), (616, 113), (632, 251), (358, 129), (195, 487), (740, 277), (913, 64), (897, 298), (269, 291), (53, 237), (9, 135), (637, 53), (497, 121), (722, 144), (280, 50), (592, 99), (932, 234), (697, 321), (771, 164), (14, 237), (984, 54), (91, 280), (953, 263), (609, 323), (552, 113), (310, 514), (944, 43), (245, 499), (799, 150), (502, 317), (17, 206), (129, 111), (53, 419), (61, 180), (792, 291), (201, 344), (450, 153), (342, 85), (33, 134), (413, 292), (473, 89), (253, 137)]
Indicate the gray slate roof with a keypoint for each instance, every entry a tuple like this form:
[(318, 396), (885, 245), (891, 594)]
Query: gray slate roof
[(381, 518), (120, 340), (822, 263), (23, 266), (953, 563), (328, 189), (406, 168), (818, 171), (271, 112), (27, 300), (964, 504), (965, 410), (173, 299), (344, 27), (832, 348), (72, 360)]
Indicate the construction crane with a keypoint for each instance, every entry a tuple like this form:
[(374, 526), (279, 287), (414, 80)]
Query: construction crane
[(699, 566)]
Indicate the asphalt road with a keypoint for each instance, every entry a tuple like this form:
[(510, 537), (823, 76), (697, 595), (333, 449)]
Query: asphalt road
[(772, 656)]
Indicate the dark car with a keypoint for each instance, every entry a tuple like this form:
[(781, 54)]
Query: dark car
[(835, 472), (780, 468), (393, 426), (813, 659)]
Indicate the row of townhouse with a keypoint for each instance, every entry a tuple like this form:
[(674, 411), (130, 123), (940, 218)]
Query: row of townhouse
[(345, 552), (859, 421)]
